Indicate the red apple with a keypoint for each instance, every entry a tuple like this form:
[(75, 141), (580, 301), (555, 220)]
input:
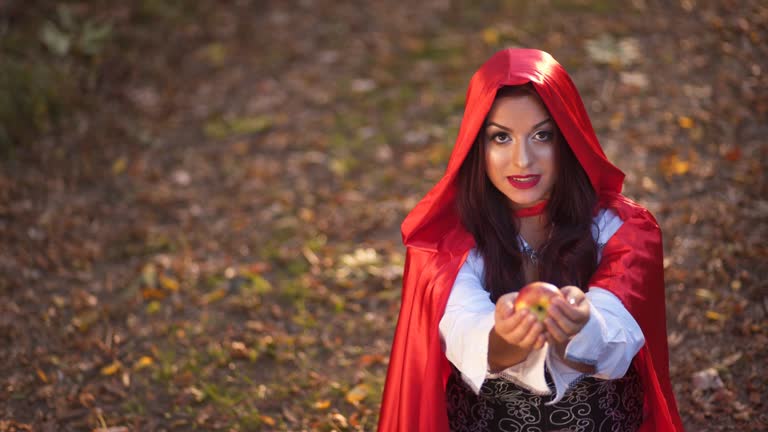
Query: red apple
[(536, 297)]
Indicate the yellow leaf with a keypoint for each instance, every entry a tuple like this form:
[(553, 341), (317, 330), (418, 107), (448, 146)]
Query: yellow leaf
[(715, 316), (322, 404), (491, 36), (685, 122), (357, 394), (152, 294), (268, 420), (168, 283), (40, 374), (673, 165), (111, 368), (143, 362), (119, 165), (153, 307), (149, 275), (213, 296), (215, 53)]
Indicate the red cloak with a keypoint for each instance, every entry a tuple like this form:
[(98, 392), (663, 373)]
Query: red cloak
[(437, 245)]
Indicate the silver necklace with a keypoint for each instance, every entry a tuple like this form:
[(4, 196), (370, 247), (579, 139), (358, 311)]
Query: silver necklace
[(530, 253)]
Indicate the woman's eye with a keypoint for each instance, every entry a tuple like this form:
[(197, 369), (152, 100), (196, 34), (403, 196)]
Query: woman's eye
[(543, 135), (501, 138)]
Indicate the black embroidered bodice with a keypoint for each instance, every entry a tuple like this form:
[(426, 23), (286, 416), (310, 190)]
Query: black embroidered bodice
[(590, 405)]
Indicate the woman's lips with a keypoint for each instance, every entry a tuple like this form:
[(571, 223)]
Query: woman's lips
[(524, 182)]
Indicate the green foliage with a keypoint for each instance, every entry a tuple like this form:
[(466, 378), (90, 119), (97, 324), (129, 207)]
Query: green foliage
[(36, 85), (31, 98)]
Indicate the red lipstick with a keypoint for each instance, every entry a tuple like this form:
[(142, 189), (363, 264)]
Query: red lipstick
[(524, 182)]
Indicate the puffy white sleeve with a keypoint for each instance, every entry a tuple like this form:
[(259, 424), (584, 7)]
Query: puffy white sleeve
[(608, 341), (611, 337), (467, 322), (466, 325)]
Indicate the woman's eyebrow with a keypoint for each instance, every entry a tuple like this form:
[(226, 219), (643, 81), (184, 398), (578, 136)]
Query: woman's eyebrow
[(510, 130)]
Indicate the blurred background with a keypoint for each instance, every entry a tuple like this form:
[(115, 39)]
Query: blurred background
[(200, 200)]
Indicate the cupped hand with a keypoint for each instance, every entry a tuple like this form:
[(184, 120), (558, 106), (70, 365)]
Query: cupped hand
[(519, 329), (566, 316)]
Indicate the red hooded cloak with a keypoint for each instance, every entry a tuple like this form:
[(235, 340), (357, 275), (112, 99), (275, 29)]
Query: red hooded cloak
[(437, 245)]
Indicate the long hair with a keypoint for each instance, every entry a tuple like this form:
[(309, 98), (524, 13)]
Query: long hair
[(568, 257)]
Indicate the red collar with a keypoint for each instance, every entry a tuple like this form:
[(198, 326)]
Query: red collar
[(532, 211)]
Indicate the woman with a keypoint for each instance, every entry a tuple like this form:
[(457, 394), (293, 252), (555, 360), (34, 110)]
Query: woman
[(529, 195)]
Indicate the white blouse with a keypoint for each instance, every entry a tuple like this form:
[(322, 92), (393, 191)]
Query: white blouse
[(608, 341)]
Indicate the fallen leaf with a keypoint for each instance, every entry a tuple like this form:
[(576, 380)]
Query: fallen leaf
[(673, 165), (730, 360), (715, 316), (733, 154), (153, 307), (152, 294), (85, 320), (340, 420), (268, 420), (40, 374), (322, 404), (685, 122), (111, 368), (357, 394), (215, 53), (707, 379), (119, 165), (168, 283), (607, 49), (213, 296), (149, 275), (196, 393), (634, 79), (143, 362), (112, 429), (369, 359), (491, 36)]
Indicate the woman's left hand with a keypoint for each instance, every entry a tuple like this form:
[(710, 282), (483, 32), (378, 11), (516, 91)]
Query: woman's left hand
[(566, 316)]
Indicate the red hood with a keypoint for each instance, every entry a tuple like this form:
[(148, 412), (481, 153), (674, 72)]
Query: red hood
[(435, 215)]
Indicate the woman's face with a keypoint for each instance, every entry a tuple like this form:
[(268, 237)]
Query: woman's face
[(520, 145)]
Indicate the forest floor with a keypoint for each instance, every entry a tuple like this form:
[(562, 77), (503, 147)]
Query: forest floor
[(211, 240)]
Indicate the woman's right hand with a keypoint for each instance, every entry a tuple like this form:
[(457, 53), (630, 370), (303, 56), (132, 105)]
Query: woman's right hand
[(514, 335)]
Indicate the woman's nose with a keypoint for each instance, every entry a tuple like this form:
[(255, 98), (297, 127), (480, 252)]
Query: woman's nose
[(520, 154)]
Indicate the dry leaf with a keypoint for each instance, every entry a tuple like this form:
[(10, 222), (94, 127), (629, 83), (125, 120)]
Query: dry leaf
[(707, 379), (119, 165), (340, 420), (112, 429), (733, 154), (491, 36), (685, 122), (673, 165), (322, 404), (369, 359), (357, 394), (152, 294), (168, 283), (143, 362), (268, 420), (111, 368), (40, 374), (213, 296), (715, 316)]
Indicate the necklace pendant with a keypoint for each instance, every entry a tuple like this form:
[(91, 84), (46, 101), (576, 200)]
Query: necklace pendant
[(530, 253)]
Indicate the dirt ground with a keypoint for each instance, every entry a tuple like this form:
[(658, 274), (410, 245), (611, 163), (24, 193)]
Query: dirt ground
[(211, 240)]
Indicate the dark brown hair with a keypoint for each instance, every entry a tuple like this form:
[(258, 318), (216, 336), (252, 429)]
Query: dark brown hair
[(568, 257)]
